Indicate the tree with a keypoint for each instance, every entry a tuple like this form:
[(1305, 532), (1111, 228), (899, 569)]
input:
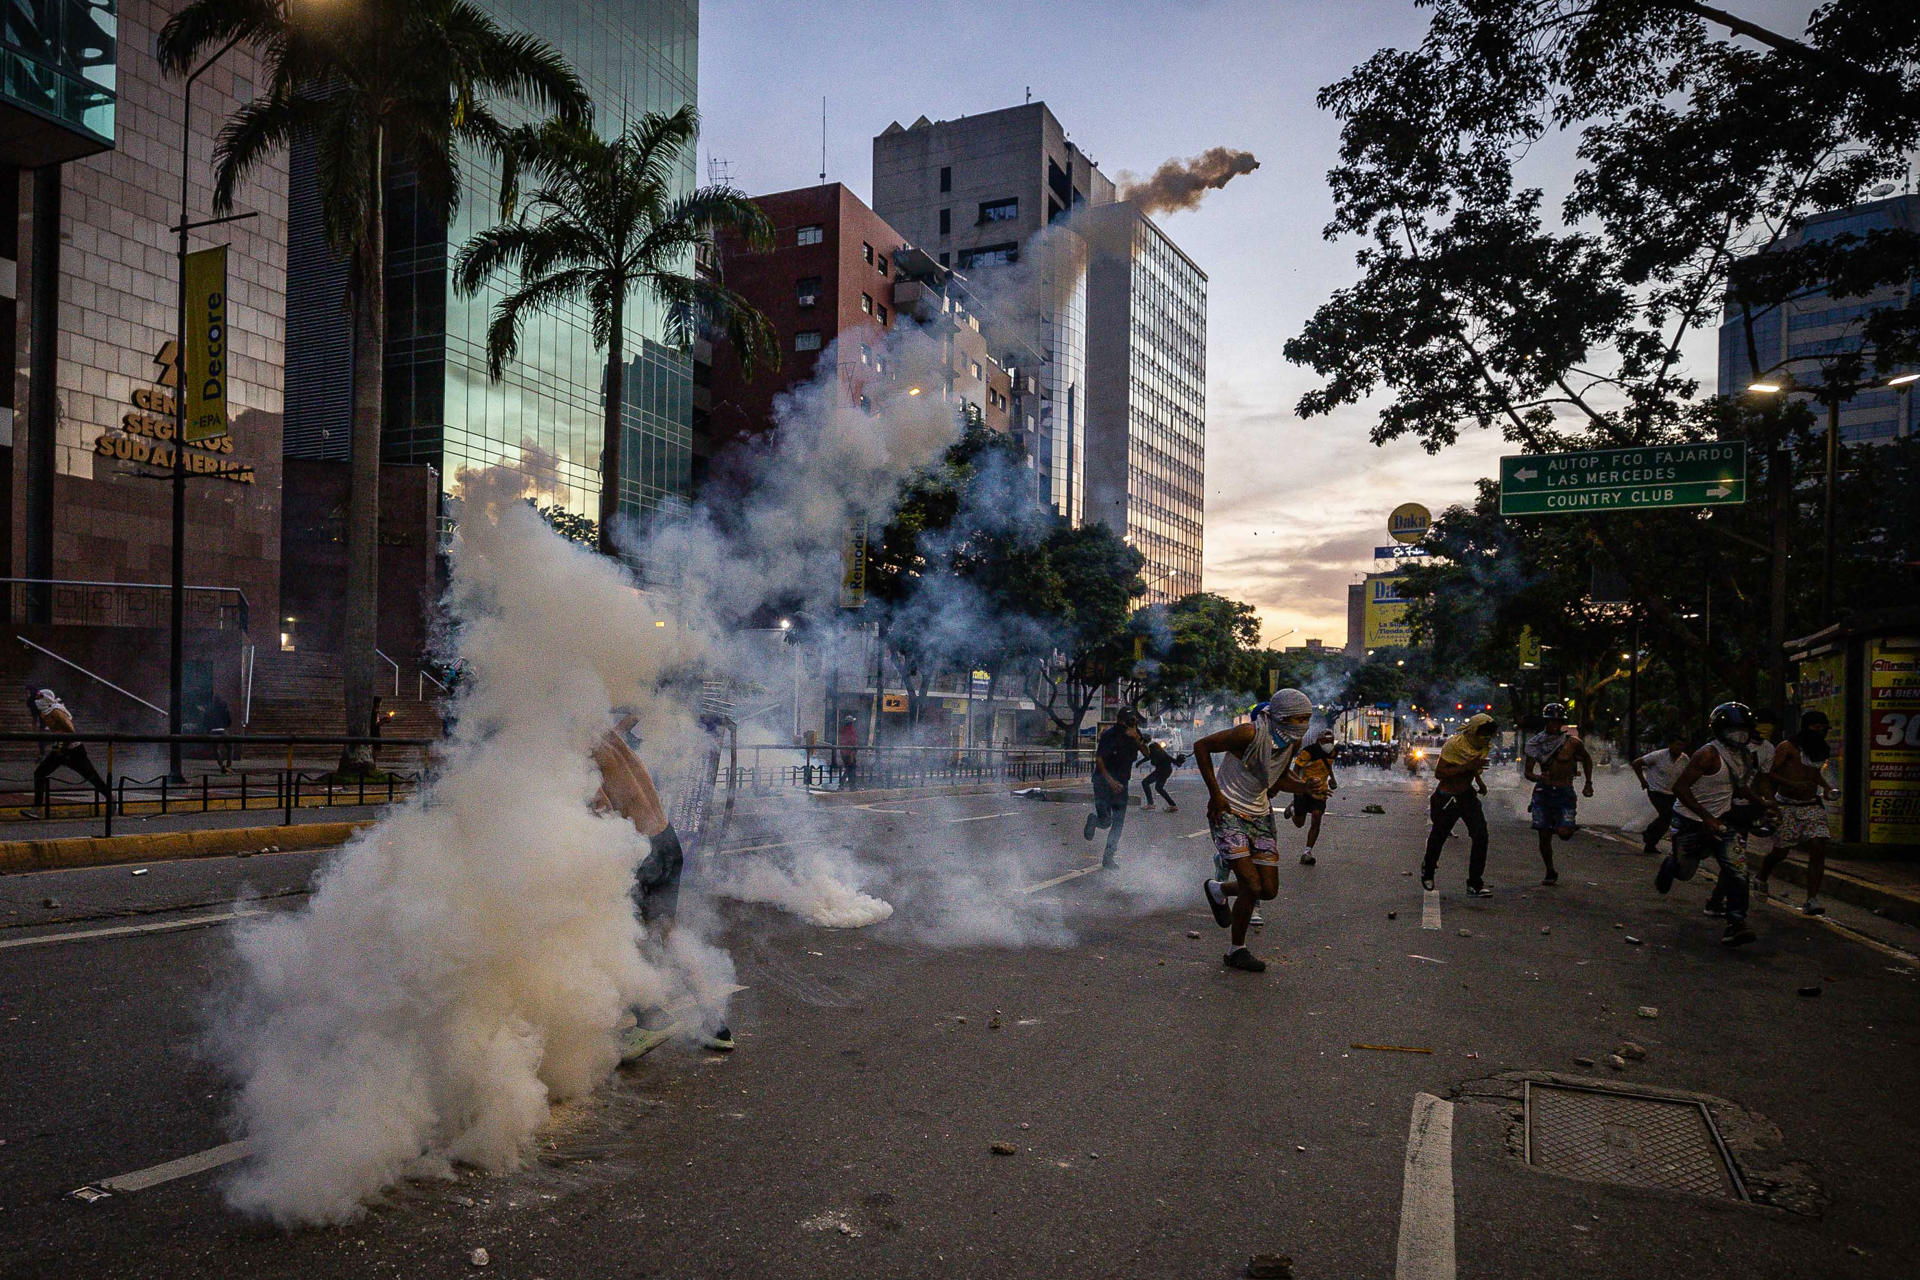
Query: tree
[(1699, 158), (1191, 648), (1092, 644), (570, 525), (603, 223), (376, 84)]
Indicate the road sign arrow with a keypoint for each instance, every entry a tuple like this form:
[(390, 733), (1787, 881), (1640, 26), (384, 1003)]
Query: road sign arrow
[(1718, 491), (1525, 473)]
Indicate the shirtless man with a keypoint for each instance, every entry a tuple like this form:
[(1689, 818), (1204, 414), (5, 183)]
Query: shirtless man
[(1801, 790), (1705, 791), (1256, 766), (1552, 756)]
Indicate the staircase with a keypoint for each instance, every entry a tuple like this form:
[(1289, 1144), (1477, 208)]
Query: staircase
[(302, 693)]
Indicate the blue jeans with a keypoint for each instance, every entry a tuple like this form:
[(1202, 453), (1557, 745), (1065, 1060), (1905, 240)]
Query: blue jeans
[(1693, 844), (1109, 811)]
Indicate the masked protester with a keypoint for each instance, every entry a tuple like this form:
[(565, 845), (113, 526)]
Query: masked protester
[(1456, 798), (51, 715), (1751, 821), (1113, 757), (1552, 756), (1255, 766), (1801, 791), (1314, 766), (1704, 792)]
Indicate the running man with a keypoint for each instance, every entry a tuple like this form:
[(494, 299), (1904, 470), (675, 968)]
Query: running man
[(1314, 766), (1162, 765), (626, 788), (1256, 766), (50, 715), (1705, 792), (1113, 758), (1457, 799), (1750, 818), (1552, 756), (1656, 771), (1801, 790)]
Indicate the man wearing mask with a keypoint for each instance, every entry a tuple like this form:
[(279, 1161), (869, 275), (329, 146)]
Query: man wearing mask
[(1457, 799), (50, 715), (1751, 820), (1160, 764), (1801, 790), (1705, 792), (1552, 756), (1314, 766), (1256, 766)]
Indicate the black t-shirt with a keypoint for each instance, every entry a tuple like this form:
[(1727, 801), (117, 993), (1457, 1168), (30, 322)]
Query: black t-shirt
[(1158, 757), (1118, 752)]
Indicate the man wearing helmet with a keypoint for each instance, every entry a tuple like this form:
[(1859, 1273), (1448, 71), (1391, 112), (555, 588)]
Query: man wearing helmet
[(1552, 755), (1256, 765), (1704, 793)]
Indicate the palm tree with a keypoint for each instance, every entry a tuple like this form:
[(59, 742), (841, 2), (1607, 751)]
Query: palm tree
[(375, 84), (602, 222)]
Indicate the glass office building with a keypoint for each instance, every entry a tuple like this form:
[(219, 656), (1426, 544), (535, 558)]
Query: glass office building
[(58, 73), (544, 415)]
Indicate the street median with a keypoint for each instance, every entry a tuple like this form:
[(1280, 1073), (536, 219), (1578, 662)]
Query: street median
[(71, 852)]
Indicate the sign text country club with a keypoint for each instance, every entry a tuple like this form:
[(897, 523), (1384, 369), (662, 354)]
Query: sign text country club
[(1679, 475)]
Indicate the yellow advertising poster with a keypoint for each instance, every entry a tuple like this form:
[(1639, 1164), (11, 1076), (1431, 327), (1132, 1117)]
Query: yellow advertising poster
[(1893, 740), (206, 365), (1823, 687), (1529, 649), (853, 566), (1386, 612), (893, 702)]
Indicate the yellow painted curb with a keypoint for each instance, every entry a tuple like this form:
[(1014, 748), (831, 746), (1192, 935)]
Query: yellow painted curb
[(101, 851)]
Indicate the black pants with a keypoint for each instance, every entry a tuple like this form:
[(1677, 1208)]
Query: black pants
[(1663, 819), (71, 756), (1445, 809), (656, 881), (1157, 778)]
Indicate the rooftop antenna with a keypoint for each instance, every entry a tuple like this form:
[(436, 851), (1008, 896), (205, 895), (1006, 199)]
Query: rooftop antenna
[(1029, 93), (719, 172), (823, 141)]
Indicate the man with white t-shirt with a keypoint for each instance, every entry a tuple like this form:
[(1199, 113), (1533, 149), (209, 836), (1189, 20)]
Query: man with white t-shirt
[(1656, 771)]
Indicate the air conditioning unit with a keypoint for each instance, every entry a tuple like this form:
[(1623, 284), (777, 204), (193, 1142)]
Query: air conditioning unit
[(808, 300)]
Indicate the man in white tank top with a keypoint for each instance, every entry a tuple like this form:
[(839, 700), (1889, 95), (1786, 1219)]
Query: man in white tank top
[(1703, 793), (1256, 761)]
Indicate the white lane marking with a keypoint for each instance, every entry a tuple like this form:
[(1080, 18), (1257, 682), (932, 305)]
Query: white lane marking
[(1430, 909), (1195, 835), (79, 935), (1426, 1195), (982, 817), (1071, 875), (184, 1167), (755, 848), (873, 808)]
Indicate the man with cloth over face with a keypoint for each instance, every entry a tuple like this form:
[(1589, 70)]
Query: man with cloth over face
[(1457, 799)]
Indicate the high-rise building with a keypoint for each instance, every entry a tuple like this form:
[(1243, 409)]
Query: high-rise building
[(989, 195), (1146, 418), (1792, 336), (545, 415)]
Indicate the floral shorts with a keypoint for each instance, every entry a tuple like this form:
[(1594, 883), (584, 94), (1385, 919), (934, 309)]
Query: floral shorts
[(1801, 824), (1236, 837)]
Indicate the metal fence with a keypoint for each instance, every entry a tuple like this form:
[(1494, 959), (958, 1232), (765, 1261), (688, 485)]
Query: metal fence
[(765, 769)]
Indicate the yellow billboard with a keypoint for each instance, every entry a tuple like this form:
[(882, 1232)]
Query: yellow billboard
[(1386, 610), (205, 383)]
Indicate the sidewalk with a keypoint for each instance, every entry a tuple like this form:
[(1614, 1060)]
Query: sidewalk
[(46, 846), (1889, 889)]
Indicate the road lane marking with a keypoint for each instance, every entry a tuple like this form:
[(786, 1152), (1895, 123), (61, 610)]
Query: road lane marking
[(1430, 909), (1071, 875), (755, 848), (184, 1167), (1426, 1194), (118, 931), (1195, 835), (982, 817)]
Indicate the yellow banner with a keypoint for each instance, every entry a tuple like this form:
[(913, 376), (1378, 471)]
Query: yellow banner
[(853, 566), (206, 346)]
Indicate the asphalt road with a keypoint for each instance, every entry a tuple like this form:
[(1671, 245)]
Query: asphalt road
[(1169, 1118)]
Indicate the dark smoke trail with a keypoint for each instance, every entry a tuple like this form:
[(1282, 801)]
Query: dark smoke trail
[(1180, 184)]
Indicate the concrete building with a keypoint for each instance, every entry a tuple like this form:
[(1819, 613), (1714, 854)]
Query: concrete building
[(1146, 403), (1792, 337), (545, 414), (976, 193), (1356, 645), (836, 284)]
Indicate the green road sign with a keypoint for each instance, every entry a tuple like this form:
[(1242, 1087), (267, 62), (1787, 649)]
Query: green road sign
[(1657, 475)]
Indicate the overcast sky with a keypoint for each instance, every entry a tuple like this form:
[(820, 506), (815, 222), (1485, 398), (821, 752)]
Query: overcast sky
[(1294, 509)]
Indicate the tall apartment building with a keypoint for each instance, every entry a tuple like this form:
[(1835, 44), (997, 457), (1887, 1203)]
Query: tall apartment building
[(1146, 425), (976, 193), (545, 414), (1793, 336), (836, 282)]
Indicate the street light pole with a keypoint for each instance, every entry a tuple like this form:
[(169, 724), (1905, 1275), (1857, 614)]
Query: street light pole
[(1826, 519)]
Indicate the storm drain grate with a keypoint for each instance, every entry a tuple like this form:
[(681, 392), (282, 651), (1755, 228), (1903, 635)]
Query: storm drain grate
[(1629, 1138)]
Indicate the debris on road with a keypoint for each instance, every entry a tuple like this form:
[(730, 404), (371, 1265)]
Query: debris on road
[(139, 871), (51, 904), (1193, 933), (1004, 1149), (1466, 933), (1632, 941), (1393, 915), (1387, 1048), (87, 1195), (1546, 930), (1372, 808), (1583, 1062), (1617, 1062), (1810, 991), (479, 1258), (1631, 1051), (1647, 1011), (1269, 1266)]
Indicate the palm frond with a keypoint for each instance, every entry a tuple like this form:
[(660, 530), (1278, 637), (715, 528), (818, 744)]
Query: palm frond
[(503, 332), (255, 132), (207, 24)]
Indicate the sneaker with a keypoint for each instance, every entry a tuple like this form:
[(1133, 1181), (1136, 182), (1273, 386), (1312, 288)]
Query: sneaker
[(1479, 891), (1663, 878), (719, 1040), (1737, 934), (1241, 958), (1087, 832), (1552, 877), (1148, 806), (1812, 907), (1108, 862), (1426, 882), (1257, 918), (1714, 909), (1172, 807), (1217, 900), (1307, 859)]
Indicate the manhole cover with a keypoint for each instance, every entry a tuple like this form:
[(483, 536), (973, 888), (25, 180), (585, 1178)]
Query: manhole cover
[(1629, 1138)]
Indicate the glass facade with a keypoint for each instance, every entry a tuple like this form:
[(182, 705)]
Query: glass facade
[(59, 61), (1166, 412), (544, 415)]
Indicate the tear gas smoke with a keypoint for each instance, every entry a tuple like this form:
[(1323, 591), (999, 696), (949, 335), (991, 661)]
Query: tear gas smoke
[(813, 887), (1178, 185)]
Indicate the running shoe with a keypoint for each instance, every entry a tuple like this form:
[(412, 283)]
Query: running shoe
[(1479, 891), (1217, 901), (1306, 859), (1812, 907), (1552, 877), (1241, 958), (1257, 918), (1426, 883), (1664, 877), (1172, 807), (1714, 909), (1760, 893), (1087, 832), (1148, 806), (1737, 934), (1108, 862)]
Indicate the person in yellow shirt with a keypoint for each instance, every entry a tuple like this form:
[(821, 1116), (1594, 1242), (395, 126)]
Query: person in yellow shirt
[(1314, 766), (1456, 798)]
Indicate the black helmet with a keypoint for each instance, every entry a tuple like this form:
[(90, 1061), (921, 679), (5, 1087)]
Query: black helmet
[(1554, 711), (1729, 718)]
